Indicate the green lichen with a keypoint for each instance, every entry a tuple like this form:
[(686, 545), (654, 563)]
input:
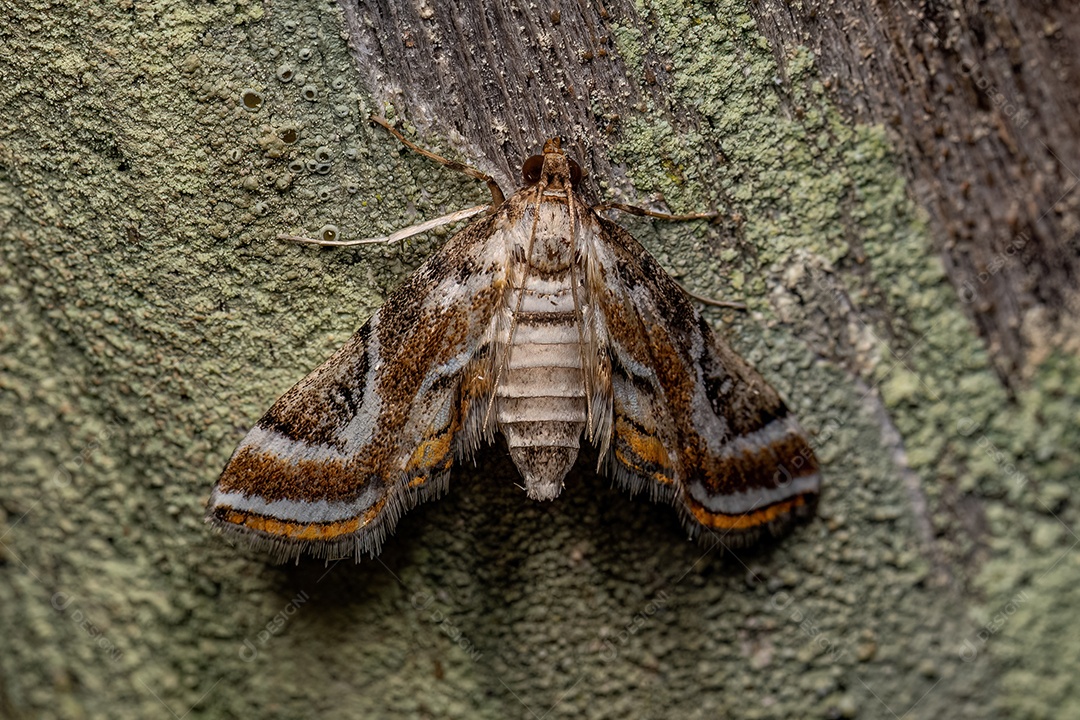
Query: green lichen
[(801, 176), (150, 315)]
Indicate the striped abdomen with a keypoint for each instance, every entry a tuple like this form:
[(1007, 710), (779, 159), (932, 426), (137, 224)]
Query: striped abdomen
[(541, 397)]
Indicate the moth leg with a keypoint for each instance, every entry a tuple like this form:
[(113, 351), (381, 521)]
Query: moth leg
[(712, 301), (398, 235), (635, 210), (497, 196)]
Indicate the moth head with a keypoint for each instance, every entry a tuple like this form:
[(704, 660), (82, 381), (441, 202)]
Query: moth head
[(557, 170)]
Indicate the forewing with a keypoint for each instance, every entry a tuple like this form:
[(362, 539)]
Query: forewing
[(693, 422), (373, 430)]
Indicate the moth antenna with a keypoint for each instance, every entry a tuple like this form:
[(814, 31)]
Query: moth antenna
[(395, 236), (497, 197)]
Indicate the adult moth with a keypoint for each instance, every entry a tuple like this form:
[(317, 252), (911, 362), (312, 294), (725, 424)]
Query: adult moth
[(541, 321)]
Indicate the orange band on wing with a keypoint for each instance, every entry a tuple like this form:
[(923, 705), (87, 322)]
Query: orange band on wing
[(299, 530), (646, 449), (749, 520), (632, 464), (433, 453)]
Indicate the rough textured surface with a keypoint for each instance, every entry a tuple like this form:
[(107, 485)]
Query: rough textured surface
[(497, 76), (980, 98), (149, 153)]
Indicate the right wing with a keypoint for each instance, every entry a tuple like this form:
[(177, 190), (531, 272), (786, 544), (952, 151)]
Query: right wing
[(694, 423)]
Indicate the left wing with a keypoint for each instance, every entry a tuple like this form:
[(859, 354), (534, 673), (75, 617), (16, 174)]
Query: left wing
[(694, 423), (333, 464)]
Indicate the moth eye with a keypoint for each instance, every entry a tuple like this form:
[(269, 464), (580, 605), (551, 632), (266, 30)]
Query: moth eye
[(575, 173), (531, 169)]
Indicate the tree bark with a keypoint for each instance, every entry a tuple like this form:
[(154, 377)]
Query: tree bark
[(867, 166), (980, 100)]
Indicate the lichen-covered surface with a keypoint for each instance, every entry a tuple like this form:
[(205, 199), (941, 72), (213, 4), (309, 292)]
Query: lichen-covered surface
[(149, 317)]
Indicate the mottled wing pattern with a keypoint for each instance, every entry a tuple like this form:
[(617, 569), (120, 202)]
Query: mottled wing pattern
[(373, 431), (693, 422)]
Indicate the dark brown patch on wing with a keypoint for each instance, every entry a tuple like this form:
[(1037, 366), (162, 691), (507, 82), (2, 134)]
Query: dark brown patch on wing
[(267, 476), (336, 388), (769, 465)]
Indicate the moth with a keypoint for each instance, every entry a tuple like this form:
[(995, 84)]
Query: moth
[(544, 322)]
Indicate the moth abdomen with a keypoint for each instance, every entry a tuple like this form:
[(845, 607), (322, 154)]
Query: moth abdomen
[(541, 398)]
